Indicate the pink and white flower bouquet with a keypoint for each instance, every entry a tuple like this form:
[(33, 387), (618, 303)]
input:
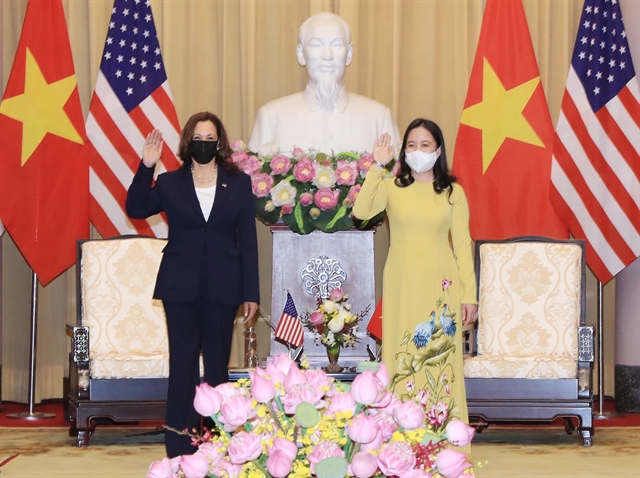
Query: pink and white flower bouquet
[(284, 421), (307, 190)]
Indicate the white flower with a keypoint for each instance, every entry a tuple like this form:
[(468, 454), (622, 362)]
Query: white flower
[(335, 325), (268, 150), (283, 193), (344, 314), (329, 306), (325, 176), (330, 338)]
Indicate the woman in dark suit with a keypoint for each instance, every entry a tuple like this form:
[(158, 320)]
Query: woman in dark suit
[(210, 264)]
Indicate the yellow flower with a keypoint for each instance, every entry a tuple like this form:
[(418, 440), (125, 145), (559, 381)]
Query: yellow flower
[(415, 436), (397, 436), (300, 470)]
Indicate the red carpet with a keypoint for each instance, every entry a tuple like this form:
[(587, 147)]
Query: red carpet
[(55, 407)]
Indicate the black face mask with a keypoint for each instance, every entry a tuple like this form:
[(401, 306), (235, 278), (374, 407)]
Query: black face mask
[(203, 152)]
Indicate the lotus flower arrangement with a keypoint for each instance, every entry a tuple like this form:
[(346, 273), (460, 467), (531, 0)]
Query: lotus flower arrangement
[(307, 190), (284, 421)]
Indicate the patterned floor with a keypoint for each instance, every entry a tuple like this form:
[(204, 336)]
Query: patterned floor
[(503, 452)]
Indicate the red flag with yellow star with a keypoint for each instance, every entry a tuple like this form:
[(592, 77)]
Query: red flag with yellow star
[(44, 174), (502, 155)]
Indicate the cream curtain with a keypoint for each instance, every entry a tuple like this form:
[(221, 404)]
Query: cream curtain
[(230, 57)]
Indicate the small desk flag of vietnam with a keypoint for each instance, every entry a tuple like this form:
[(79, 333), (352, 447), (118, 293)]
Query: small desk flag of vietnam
[(289, 328), (375, 324), (502, 155), (44, 174)]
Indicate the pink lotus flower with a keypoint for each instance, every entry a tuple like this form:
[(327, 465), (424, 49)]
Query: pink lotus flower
[(322, 450), (239, 158), (262, 389), (409, 415), (161, 469), (459, 433), (302, 392), (283, 363), (306, 199), (294, 377), (395, 402), (409, 385), (235, 411), (364, 465), (387, 425), (280, 164), (314, 212), (342, 402), (251, 166), (318, 378), (366, 160), (232, 470), (317, 318), (279, 464), (438, 414), (277, 376), (382, 375), (336, 295), (304, 171), (238, 145), (445, 284), (326, 198), (346, 173), (286, 209), (261, 184), (227, 390), (362, 429), (244, 447), (375, 444), (207, 400), (297, 153), (467, 475), (451, 463), (364, 388), (396, 458), (285, 446), (194, 466), (383, 400), (353, 193), (215, 452)]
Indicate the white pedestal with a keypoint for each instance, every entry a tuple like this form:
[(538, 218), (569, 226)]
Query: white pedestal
[(310, 264)]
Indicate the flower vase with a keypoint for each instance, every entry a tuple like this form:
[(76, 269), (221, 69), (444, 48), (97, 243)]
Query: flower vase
[(333, 353)]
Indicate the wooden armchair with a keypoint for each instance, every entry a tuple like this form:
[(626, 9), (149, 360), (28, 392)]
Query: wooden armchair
[(119, 362), (531, 357)]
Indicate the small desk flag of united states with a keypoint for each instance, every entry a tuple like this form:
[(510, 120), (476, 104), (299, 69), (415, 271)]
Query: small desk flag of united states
[(131, 98), (289, 328), (595, 171)]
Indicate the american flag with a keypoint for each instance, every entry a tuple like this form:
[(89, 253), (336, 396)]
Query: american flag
[(131, 98), (289, 328), (595, 170)]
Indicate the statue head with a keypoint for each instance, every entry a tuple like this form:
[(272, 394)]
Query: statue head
[(325, 50)]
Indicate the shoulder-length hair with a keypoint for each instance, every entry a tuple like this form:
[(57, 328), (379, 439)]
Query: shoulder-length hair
[(224, 150), (442, 178)]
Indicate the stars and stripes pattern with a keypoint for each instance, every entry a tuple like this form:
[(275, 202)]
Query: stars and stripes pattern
[(289, 328), (131, 98), (595, 171)]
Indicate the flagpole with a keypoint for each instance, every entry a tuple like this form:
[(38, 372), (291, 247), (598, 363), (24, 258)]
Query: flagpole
[(31, 415), (601, 414)]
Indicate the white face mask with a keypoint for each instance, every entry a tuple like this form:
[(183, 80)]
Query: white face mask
[(420, 161)]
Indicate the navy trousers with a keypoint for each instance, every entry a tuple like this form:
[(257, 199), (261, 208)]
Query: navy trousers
[(192, 327)]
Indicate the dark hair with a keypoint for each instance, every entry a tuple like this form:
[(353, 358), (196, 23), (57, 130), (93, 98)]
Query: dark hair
[(442, 178), (224, 150)]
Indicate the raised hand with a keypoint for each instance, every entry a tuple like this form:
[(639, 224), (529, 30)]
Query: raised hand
[(383, 149), (152, 148)]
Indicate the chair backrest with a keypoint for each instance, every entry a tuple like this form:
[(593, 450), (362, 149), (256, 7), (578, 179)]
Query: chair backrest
[(116, 278), (531, 297)]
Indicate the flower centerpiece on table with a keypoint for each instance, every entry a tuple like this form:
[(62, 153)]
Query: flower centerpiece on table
[(335, 325), (284, 421), (307, 190)]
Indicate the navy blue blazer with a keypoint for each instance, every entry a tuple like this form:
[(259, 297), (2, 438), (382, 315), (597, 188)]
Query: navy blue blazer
[(226, 244)]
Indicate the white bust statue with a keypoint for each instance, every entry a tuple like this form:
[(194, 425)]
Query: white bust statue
[(325, 116)]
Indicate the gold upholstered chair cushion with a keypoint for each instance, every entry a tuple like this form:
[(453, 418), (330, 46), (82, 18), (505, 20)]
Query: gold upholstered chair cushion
[(529, 296), (127, 327)]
